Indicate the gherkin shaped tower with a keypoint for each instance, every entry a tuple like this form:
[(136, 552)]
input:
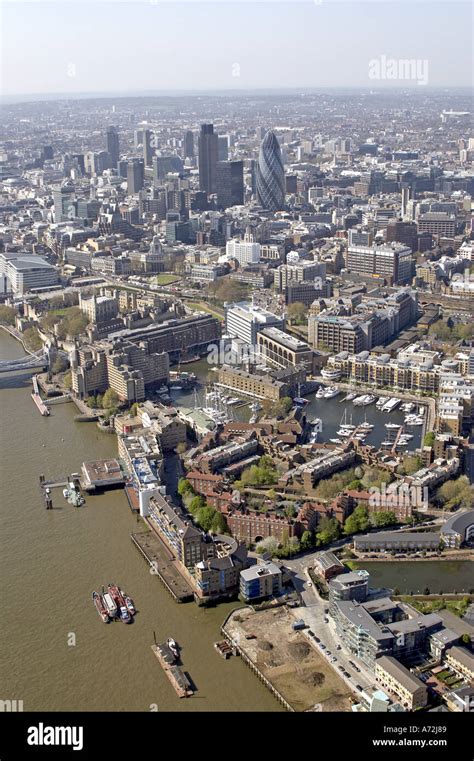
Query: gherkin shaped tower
[(270, 174)]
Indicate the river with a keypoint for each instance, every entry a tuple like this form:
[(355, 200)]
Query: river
[(439, 576), (56, 654)]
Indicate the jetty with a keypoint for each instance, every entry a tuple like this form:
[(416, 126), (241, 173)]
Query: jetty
[(180, 682), (162, 565), (35, 395)]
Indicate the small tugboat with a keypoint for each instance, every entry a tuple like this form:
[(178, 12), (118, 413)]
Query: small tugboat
[(100, 607), (128, 603), (173, 647)]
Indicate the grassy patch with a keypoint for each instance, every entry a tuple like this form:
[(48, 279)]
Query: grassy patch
[(166, 278), (205, 308)]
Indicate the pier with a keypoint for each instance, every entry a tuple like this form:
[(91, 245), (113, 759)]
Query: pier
[(162, 565), (60, 483), (180, 682)]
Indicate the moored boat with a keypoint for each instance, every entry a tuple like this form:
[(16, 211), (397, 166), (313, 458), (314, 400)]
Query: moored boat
[(125, 616), (128, 603), (110, 605), (100, 607), (173, 646)]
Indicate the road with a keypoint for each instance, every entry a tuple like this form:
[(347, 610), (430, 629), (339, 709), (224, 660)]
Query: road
[(313, 614)]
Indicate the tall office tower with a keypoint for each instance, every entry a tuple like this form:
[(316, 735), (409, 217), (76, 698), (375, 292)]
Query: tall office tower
[(64, 198), (113, 146), (135, 176), (208, 150), (138, 137), (47, 153), (406, 195), (230, 183), (222, 147), (188, 145), (270, 174), (162, 165), (148, 151)]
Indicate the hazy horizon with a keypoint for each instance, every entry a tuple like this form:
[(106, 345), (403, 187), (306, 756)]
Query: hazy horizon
[(106, 49)]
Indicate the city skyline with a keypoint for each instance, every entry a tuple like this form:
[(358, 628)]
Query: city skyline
[(255, 56)]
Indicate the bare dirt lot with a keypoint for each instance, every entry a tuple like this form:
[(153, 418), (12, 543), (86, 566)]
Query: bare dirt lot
[(288, 660)]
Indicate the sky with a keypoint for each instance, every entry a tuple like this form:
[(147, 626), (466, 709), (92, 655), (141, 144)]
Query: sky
[(131, 46)]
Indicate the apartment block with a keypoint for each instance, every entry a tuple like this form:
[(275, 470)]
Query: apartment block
[(394, 677)]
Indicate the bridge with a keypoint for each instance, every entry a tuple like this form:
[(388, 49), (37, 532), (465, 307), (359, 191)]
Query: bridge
[(39, 359)]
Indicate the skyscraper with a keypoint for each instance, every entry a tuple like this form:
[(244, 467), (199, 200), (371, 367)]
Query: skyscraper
[(207, 158), (135, 176), (188, 145), (148, 151), (270, 174), (113, 146), (223, 147), (230, 183)]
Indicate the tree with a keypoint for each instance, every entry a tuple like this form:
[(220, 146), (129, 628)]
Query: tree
[(99, 400), (184, 487), (204, 517), (429, 439), (328, 530), (111, 399), (357, 521), (196, 503), (384, 518), (455, 493), (269, 544), (297, 313), (219, 524), (290, 511), (306, 540), (91, 402), (7, 315), (181, 448), (410, 464), (32, 339), (59, 364), (49, 320), (134, 409), (466, 639)]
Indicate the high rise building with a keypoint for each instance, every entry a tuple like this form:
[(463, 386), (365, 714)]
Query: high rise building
[(392, 261), (148, 151), (113, 146), (230, 183), (246, 251), (208, 151), (270, 174), (222, 147), (64, 198), (135, 176), (188, 145), (162, 165)]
